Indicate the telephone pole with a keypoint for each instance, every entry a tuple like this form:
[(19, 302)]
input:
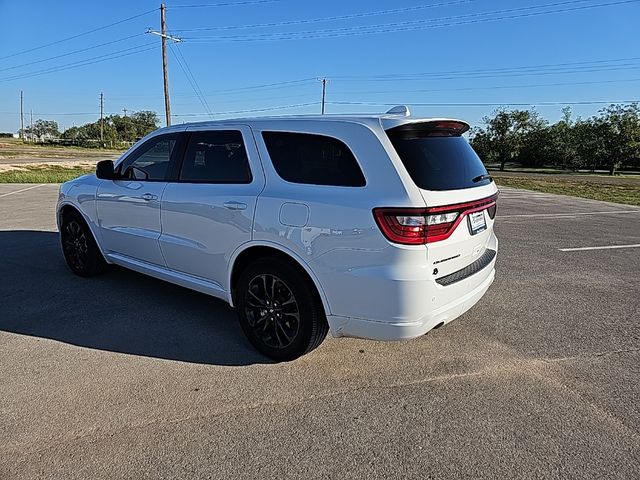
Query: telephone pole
[(21, 115), (165, 67), (324, 91), (31, 127), (101, 118)]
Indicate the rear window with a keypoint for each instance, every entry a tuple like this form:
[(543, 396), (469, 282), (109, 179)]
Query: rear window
[(313, 159), (438, 160)]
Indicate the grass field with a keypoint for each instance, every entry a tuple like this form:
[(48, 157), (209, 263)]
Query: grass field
[(11, 148), (600, 188), (43, 174)]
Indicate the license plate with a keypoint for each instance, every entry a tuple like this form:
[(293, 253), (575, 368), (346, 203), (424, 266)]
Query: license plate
[(477, 222)]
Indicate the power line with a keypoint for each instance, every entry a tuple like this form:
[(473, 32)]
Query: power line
[(493, 87), (82, 63), (533, 73), (191, 79), (268, 86), (366, 79), (437, 90), (327, 19), (254, 110), (310, 81), (226, 4), (206, 103), (487, 70), (405, 26), (97, 29), (426, 90), (305, 96), (72, 53)]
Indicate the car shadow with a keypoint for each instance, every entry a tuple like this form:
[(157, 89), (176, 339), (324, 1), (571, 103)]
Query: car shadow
[(118, 311)]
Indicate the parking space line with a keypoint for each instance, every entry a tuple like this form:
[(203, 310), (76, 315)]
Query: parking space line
[(568, 214), (22, 190), (608, 247)]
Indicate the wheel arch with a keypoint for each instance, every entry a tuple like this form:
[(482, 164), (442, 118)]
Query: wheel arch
[(65, 208), (247, 252)]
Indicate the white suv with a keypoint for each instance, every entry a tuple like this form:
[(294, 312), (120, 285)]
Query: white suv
[(372, 226)]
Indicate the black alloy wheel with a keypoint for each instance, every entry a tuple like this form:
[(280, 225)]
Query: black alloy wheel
[(272, 311), (279, 309), (79, 247), (75, 245)]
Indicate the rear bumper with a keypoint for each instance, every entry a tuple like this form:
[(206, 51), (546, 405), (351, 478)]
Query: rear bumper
[(389, 331)]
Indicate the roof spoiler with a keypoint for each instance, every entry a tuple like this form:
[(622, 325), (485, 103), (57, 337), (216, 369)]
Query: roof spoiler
[(434, 128)]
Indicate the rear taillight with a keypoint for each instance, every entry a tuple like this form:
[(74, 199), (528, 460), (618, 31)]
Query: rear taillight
[(417, 226)]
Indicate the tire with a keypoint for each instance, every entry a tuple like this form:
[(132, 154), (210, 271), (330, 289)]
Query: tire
[(279, 309), (79, 247)]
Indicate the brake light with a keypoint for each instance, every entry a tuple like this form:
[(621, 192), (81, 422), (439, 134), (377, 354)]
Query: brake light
[(455, 127), (417, 226)]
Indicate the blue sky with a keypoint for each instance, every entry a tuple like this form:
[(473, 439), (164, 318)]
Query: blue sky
[(438, 53)]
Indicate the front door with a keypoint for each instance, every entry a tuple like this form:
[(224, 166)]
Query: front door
[(207, 212), (128, 208)]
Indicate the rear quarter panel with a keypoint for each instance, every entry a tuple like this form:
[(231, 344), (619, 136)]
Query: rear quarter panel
[(339, 235)]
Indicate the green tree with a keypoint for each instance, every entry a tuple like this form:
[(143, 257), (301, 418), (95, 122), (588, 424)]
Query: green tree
[(144, 121), (115, 129), (506, 133), (619, 128), (43, 128)]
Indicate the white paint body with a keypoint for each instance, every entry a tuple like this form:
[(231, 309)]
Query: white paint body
[(187, 233)]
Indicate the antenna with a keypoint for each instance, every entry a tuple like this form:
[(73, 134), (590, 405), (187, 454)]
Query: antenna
[(400, 110)]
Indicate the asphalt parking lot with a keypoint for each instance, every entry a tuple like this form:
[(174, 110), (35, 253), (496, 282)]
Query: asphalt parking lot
[(123, 376)]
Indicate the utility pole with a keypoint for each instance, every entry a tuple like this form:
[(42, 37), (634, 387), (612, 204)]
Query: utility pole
[(125, 124), (21, 115), (165, 67), (101, 119), (31, 126), (324, 91)]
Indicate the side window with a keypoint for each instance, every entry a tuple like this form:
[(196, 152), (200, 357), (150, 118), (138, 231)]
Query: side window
[(152, 161), (313, 159), (217, 156)]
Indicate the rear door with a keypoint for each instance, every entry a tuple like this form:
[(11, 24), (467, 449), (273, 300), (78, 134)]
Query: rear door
[(207, 209), (459, 193)]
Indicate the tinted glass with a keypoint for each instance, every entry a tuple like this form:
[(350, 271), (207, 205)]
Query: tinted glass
[(216, 157), (153, 161), (313, 159), (439, 162)]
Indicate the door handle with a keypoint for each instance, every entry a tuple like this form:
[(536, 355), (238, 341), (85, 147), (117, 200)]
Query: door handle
[(233, 205), (149, 196)]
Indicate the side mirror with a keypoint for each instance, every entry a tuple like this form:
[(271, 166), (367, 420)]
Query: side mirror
[(104, 170)]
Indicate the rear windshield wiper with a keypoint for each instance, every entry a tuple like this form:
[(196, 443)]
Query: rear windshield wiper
[(479, 178)]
